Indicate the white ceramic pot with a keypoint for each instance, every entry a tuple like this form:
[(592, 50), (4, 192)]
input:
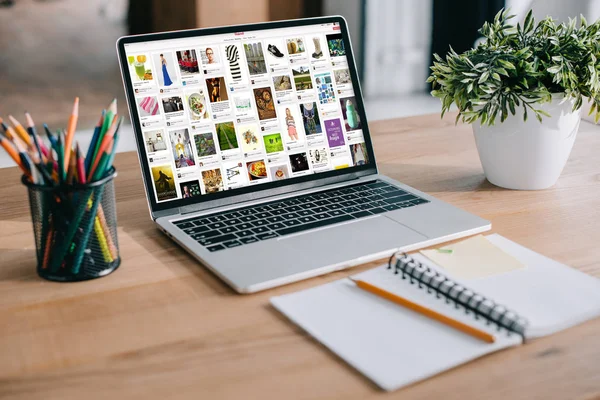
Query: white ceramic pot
[(528, 155)]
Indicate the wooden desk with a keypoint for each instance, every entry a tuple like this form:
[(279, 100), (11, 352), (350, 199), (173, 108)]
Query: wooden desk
[(164, 327)]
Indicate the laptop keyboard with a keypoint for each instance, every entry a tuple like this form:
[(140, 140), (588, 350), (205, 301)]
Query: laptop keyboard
[(251, 224)]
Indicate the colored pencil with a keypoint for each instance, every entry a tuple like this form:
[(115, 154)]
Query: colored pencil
[(39, 145), (8, 131), (108, 121), (92, 146), (113, 151), (61, 157), (80, 165), (72, 168), (12, 152), (20, 130), (106, 141), (467, 329), (71, 132)]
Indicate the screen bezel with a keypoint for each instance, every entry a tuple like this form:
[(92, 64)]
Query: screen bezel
[(246, 192)]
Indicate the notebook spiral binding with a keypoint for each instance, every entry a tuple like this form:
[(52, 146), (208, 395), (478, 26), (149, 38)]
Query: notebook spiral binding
[(452, 292)]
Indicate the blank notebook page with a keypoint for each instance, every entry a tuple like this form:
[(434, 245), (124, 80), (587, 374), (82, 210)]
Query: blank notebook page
[(391, 345), (550, 295)]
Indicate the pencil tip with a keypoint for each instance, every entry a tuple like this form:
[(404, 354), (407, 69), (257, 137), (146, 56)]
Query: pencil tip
[(76, 106), (30, 123)]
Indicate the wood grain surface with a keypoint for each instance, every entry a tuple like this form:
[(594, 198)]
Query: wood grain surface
[(163, 327)]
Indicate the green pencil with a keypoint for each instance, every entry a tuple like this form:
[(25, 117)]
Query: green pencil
[(60, 153)]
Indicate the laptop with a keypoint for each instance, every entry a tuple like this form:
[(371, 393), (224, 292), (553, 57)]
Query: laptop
[(256, 155)]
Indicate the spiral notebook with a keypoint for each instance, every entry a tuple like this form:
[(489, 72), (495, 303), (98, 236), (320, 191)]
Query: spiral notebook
[(394, 346)]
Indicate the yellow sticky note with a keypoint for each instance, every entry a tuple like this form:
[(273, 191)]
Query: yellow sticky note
[(473, 258)]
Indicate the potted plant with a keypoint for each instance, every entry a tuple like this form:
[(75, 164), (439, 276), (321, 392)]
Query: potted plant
[(542, 70)]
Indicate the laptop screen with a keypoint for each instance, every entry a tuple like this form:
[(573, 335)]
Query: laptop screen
[(229, 111)]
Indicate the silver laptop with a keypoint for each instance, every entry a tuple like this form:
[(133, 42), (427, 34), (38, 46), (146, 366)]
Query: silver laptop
[(256, 154)]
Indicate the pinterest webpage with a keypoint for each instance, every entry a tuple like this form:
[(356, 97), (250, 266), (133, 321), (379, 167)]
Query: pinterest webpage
[(227, 111)]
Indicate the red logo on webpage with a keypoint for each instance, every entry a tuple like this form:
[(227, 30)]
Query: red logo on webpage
[(336, 28), (239, 33)]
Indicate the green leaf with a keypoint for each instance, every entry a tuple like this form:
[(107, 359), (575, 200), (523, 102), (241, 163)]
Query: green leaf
[(528, 23), (484, 77), (506, 64), (554, 69)]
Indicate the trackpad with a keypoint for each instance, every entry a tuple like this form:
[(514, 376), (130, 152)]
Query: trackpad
[(351, 240)]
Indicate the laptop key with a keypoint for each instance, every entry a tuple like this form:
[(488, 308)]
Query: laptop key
[(399, 199), (361, 214), (184, 225), (245, 211), (322, 202), (232, 243), (289, 216), (260, 222), (319, 210), (216, 247), (217, 239), (293, 208), (260, 229), (201, 221), (395, 193), (265, 236), (335, 206), (262, 208), (391, 207), (216, 225), (292, 222), (406, 204), (315, 224), (228, 229), (217, 218), (348, 203), (245, 233), (234, 214), (196, 229), (304, 213), (262, 215), (350, 210), (364, 206), (306, 219), (233, 221), (275, 219), (276, 226), (278, 211), (247, 218), (205, 235), (419, 201), (335, 213), (244, 226), (321, 216), (378, 210), (248, 240)]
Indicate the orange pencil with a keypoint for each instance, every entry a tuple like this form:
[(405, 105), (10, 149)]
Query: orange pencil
[(469, 330), (20, 130), (72, 168), (71, 132), (12, 152)]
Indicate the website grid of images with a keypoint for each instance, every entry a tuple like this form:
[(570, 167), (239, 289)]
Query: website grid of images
[(217, 116)]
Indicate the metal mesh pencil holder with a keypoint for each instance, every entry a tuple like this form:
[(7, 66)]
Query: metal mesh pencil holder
[(75, 228)]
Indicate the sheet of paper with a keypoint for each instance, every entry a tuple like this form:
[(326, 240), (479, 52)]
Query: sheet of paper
[(473, 258)]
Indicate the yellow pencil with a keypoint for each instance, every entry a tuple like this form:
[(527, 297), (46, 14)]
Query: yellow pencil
[(469, 330), (102, 241), (20, 130)]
